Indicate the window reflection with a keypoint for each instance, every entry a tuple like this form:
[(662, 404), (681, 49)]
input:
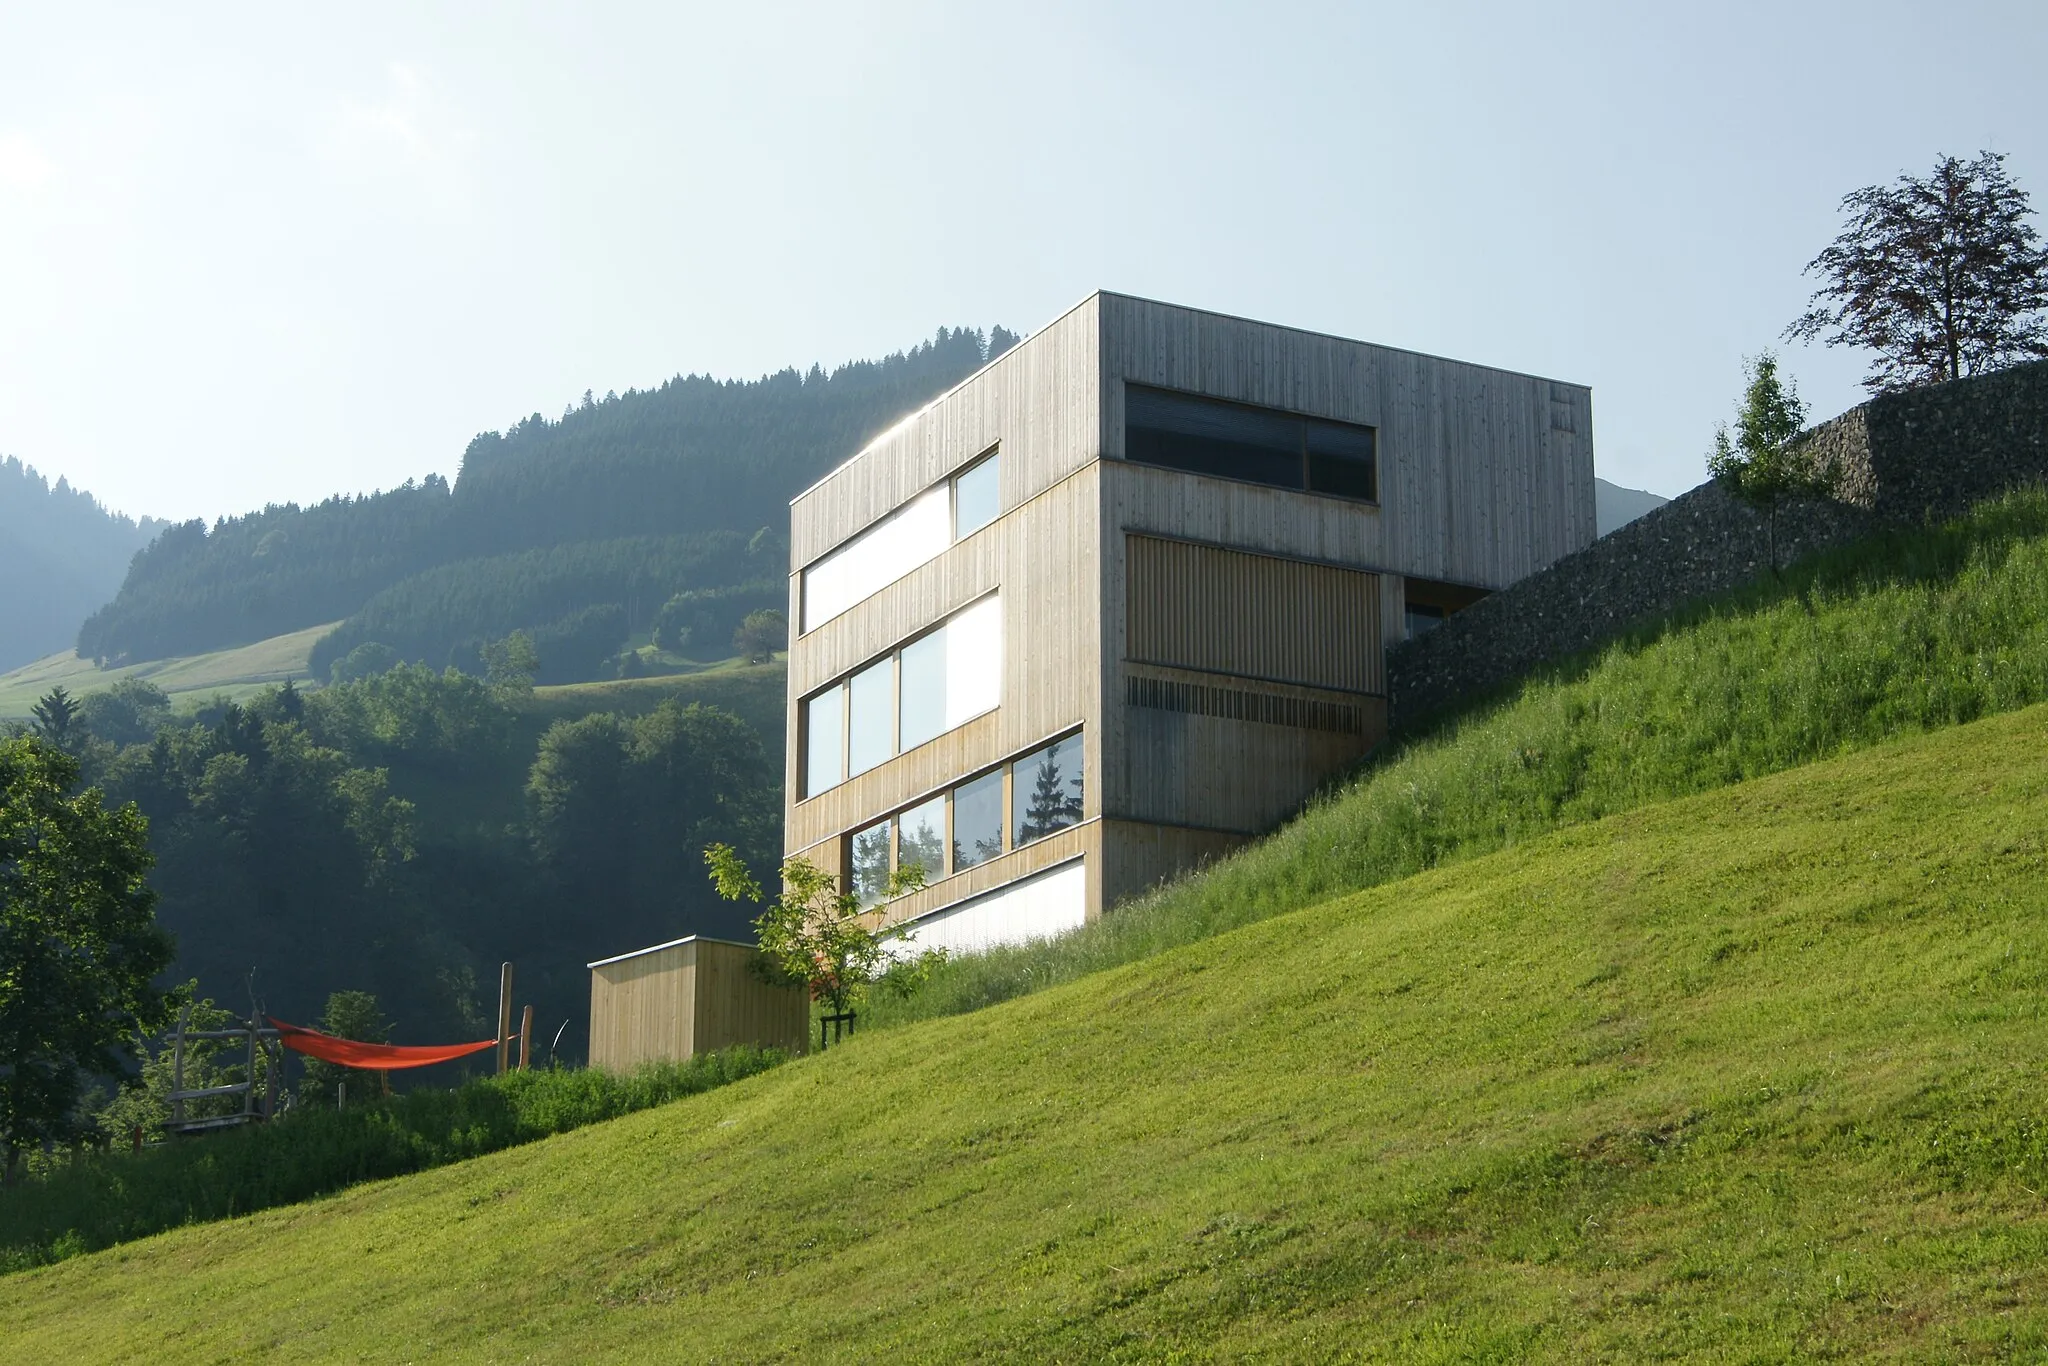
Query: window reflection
[(870, 863), (974, 498), (1047, 795), (824, 739), (1242, 441), (978, 820), (923, 707), (946, 678), (871, 717), (921, 839)]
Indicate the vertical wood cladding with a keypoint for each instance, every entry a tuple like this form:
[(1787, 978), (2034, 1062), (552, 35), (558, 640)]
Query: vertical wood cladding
[(682, 999), (1253, 616)]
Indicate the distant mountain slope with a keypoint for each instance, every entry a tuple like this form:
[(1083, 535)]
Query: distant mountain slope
[(62, 554), (1615, 506), (695, 455)]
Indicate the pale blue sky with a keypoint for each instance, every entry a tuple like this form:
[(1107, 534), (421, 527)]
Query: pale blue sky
[(270, 253)]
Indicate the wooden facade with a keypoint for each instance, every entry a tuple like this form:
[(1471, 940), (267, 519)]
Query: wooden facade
[(691, 996), (1218, 644)]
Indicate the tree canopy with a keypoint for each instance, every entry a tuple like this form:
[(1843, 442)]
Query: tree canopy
[(79, 944), (1941, 278)]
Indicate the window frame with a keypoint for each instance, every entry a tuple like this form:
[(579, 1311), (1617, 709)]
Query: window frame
[(844, 685), (951, 483), (891, 820), (1303, 423)]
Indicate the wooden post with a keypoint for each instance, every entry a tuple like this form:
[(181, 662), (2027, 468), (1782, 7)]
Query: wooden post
[(504, 1013), (525, 1036), (249, 1096), (178, 1067)]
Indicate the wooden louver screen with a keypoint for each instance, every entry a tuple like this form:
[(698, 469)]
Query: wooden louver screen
[(1253, 616)]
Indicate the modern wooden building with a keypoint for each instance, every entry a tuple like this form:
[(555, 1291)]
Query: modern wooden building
[(1118, 602), (685, 997)]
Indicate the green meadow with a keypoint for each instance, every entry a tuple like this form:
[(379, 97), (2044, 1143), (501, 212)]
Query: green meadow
[(1746, 1076)]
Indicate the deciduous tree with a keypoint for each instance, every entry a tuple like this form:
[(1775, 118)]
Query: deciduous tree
[(1759, 464), (1942, 277), (79, 944)]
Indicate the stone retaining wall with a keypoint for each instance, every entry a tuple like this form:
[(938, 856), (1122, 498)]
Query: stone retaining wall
[(1897, 460)]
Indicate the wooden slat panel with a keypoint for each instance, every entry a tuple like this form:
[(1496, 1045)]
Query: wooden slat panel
[(1043, 557), (1039, 401), (1252, 615), (642, 1007), (734, 1006)]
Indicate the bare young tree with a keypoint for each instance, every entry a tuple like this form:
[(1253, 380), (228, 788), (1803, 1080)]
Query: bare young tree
[(1942, 277)]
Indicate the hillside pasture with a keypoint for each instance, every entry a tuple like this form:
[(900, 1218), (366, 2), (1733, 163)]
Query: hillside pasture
[(1745, 1076), (236, 672)]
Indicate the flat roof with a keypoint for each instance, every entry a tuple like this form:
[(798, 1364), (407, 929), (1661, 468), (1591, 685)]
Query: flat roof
[(915, 413), (657, 948)]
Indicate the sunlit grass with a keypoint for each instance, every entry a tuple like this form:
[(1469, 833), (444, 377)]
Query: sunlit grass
[(1749, 1076), (1890, 637)]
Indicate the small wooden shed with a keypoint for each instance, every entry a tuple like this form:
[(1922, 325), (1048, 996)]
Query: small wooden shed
[(685, 997)]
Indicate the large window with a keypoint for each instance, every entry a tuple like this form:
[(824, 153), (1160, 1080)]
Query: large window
[(1259, 445), (1045, 790), (936, 682), (964, 826), (908, 537)]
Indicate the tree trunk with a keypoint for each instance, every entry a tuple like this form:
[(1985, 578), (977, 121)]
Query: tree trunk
[(10, 1173)]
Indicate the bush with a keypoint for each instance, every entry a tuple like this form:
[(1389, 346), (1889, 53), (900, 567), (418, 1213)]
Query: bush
[(99, 1199)]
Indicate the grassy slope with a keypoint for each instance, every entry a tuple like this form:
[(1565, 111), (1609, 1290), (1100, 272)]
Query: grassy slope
[(1748, 1075), (235, 672), (1899, 634)]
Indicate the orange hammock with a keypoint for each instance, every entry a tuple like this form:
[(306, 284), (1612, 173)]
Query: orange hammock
[(373, 1057)]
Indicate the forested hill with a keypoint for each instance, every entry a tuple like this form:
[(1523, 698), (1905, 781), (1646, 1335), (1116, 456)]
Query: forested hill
[(61, 555), (696, 455)]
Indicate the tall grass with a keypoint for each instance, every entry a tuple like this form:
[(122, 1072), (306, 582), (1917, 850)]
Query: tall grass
[(1902, 633), (103, 1199)]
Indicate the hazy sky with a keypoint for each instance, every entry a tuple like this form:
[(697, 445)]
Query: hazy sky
[(269, 253)]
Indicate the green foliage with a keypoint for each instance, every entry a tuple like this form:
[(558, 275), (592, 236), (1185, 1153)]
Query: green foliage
[(54, 716), (701, 622), (366, 660), (814, 933), (143, 1101), (1900, 634), (510, 664), (1752, 1076), (761, 635), (447, 723), (98, 1200), (349, 1015), (443, 615), (1761, 464), (79, 944), (694, 456), (616, 805), (580, 646), (129, 713)]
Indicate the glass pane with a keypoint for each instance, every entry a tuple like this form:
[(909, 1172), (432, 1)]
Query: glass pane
[(871, 863), (1340, 459), (1048, 792), (974, 661), (1212, 437), (978, 820), (878, 556), (921, 839), (824, 740), (871, 717), (974, 499), (923, 689), (1422, 618)]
